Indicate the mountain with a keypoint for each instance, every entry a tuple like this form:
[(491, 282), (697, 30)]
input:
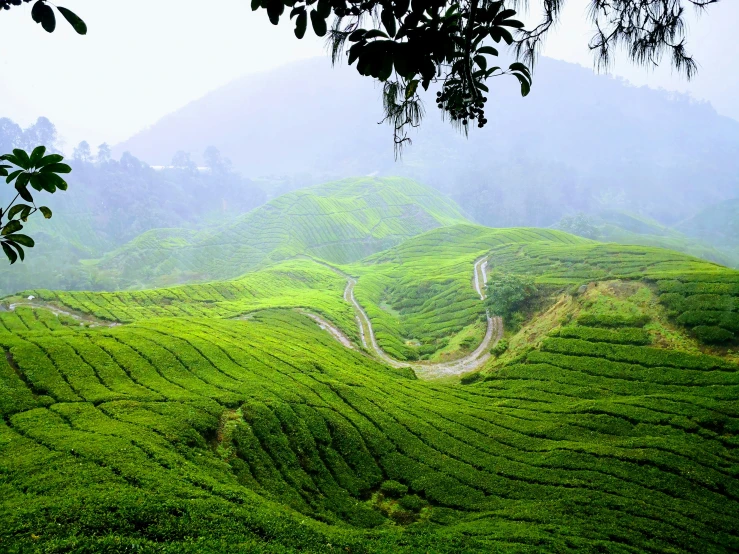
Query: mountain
[(578, 142), (339, 222), (629, 228), (717, 224)]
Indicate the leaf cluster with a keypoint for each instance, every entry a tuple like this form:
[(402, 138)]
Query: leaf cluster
[(406, 44), (42, 13), (41, 173)]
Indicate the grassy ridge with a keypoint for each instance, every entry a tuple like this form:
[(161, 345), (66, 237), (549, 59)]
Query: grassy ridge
[(241, 432), (339, 222), (699, 295), (421, 293)]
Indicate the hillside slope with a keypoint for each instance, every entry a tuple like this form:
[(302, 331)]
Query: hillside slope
[(339, 222), (717, 224), (185, 431), (628, 228)]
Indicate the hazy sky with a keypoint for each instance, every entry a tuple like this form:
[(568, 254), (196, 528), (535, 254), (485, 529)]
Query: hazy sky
[(143, 59)]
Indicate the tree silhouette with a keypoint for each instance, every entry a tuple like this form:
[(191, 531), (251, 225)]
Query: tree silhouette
[(405, 44)]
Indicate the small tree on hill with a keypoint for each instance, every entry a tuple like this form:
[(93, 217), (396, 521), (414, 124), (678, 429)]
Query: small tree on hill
[(509, 294), (580, 225)]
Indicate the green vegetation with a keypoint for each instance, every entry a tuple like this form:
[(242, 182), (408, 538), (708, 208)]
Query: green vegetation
[(509, 295), (419, 294), (217, 417), (629, 228), (195, 434), (339, 222)]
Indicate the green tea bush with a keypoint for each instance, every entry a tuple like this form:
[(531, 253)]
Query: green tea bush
[(500, 347), (412, 502), (623, 335), (712, 335), (393, 489)]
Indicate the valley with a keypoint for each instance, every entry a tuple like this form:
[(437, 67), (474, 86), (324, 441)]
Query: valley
[(376, 405)]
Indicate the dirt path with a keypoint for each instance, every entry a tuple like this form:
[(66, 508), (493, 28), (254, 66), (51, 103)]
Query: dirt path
[(427, 370), (59, 311), (331, 328)]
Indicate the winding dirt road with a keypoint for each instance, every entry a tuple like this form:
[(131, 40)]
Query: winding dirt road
[(426, 370)]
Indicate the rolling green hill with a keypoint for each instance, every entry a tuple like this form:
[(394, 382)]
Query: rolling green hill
[(717, 224), (219, 418), (626, 228), (339, 222)]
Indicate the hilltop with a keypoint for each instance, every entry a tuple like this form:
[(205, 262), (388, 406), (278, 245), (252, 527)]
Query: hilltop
[(339, 222)]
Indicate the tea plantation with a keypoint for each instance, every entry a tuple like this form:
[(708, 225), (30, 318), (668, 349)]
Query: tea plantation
[(218, 418), (340, 222)]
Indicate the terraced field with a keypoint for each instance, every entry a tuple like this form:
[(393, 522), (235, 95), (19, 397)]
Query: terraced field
[(218, 418), (339, 222)]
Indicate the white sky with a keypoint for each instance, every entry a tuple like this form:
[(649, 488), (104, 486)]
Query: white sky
[(144, 59)]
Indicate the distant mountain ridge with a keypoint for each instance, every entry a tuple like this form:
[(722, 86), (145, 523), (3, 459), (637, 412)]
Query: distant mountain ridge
[(578, 142)]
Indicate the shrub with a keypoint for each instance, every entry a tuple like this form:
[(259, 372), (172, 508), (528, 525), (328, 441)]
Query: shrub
[(412, 502), (509, 293), (500, 347), (393, 489), (471, 378), (713, 335)]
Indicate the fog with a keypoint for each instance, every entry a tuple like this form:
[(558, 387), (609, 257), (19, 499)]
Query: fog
[(636, 156)]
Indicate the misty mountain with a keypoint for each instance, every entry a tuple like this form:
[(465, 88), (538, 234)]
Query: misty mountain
[(578, 142)]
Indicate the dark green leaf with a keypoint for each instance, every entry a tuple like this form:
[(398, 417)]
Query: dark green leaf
[(36, 11), (13, 175), (25, 240), (324, 8), (525, 86), (40, 182), (12, 212), (301, 23), (10, 253), (48, 160), (22, 158), (48, 19), (56, 168), (386, 68), (481, 61), (275, 8), (505, 14), (354, 52), (388, 20), (76, 23), (505, 35), (296, 11), (255, 5), (410, 90), (357, 35), (319, 23), (488, 50), (517, 66), (46, 212), (10, 158), (374, 33), (23, 191), (11, 227), (18, 248), (37, 155)]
